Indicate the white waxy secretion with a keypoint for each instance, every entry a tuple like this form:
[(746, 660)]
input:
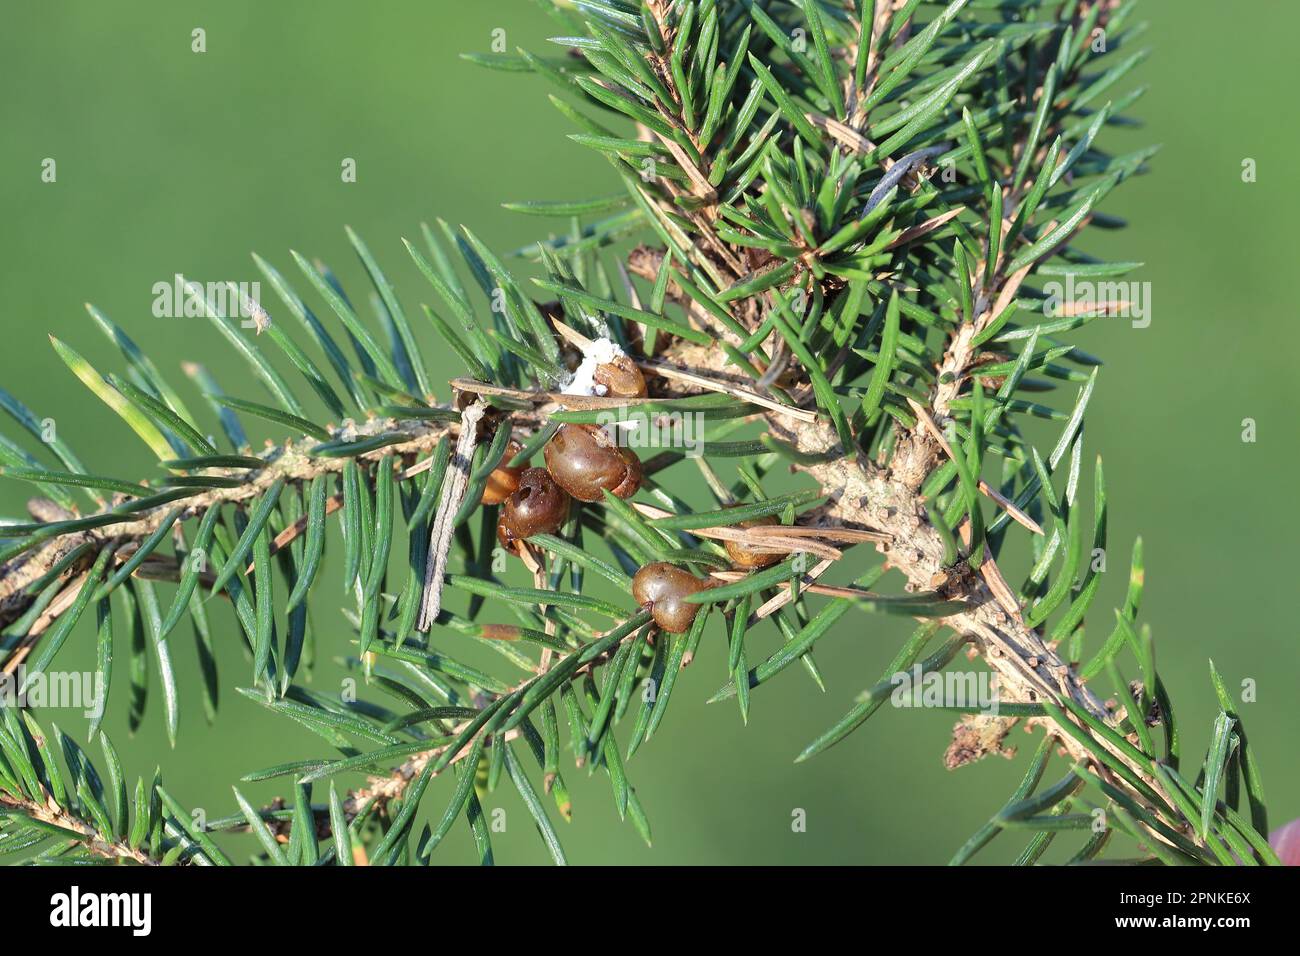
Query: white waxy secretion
[(596, 353)]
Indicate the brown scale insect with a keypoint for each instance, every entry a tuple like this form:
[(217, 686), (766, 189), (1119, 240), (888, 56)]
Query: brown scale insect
[(621, 378), (990, 382), (584, 460), (748, 557), (537, 506), (503, 481), (662, 588)]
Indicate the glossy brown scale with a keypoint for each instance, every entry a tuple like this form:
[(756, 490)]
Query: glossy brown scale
[(746, 556), (662, 588), (621, 378), (584, 460), (538, 506), (503, 481)]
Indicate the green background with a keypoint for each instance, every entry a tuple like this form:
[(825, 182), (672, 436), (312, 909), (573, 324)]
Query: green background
[(172, 161)]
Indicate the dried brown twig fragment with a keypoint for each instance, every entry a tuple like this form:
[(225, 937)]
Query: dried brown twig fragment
[(444, 524)]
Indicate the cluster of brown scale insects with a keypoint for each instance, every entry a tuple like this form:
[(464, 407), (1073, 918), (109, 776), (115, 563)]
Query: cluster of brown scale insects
[(582, 462)]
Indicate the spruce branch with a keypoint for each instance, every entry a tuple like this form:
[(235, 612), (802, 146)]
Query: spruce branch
[(59, 822), (843, 212), (291, 462)]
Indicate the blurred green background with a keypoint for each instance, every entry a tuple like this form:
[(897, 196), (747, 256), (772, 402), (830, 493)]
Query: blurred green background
[(172, 161)]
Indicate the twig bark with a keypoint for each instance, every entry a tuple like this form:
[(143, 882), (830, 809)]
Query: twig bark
[(78, 830)]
